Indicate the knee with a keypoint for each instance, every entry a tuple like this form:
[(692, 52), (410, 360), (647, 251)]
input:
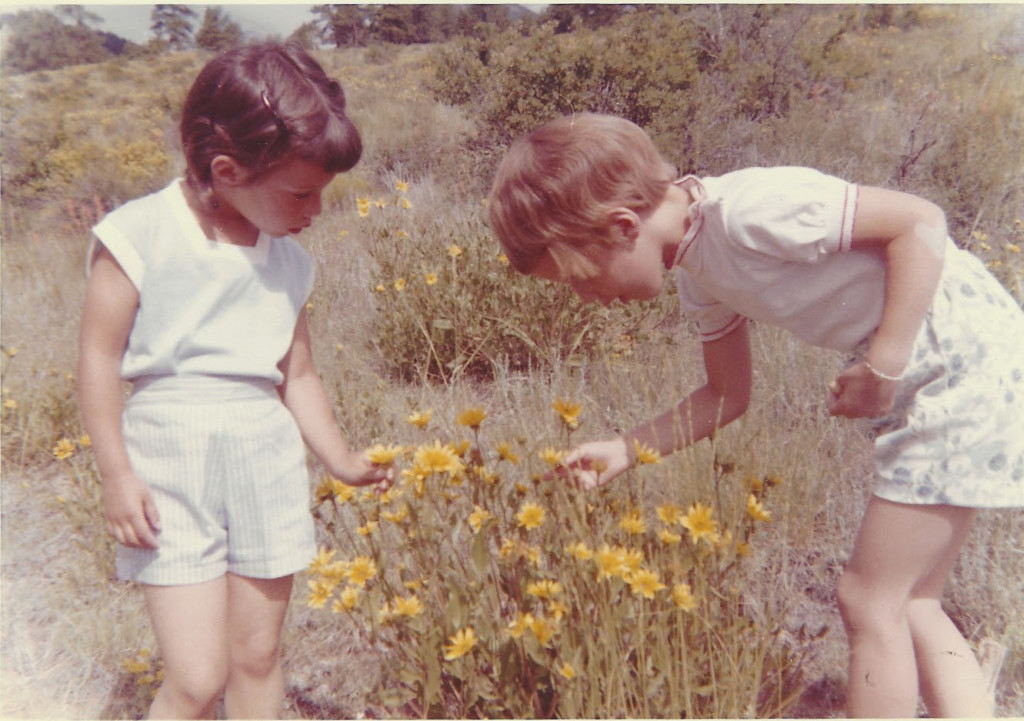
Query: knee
[(257, 654), (197, 687), (865, 607)]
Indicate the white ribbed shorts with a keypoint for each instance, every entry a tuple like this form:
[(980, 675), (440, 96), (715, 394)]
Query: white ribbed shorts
[(226, 465)]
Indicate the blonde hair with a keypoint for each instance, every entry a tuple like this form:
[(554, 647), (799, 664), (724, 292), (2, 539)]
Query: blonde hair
[(555, 189)]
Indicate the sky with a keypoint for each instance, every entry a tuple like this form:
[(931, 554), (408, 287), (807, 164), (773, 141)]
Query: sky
[(131, 20)]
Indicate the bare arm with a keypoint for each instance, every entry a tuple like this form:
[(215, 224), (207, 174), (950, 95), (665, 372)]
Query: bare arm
[(911, 232), (111, 302), (304, 395), (723, 399)]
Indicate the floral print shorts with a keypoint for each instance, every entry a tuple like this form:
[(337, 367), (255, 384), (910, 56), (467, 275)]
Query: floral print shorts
[(956, 433)]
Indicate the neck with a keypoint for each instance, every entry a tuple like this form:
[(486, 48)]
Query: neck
[(220, 222)]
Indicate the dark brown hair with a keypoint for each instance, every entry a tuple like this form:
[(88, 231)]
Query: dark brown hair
[(261, 104)]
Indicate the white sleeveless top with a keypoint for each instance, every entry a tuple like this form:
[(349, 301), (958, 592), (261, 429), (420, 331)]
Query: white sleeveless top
[(205, 307)]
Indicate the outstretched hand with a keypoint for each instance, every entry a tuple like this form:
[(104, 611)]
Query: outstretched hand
[(594, 464), (359, 470)]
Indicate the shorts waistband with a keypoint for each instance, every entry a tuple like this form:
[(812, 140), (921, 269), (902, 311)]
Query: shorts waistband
[(201, 389)]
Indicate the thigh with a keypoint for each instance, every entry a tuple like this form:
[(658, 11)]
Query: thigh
[(190, 624), (904, 550)]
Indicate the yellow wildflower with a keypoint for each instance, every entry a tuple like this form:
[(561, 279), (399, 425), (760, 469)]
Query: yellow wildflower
[(645, 454), (670, 513), (64, 449), (543, 629), (544, 589), (396, 516), (437, 458), (471, 417), (460, 644), (567, 671), (382, 455), (699, 523), (380, 288), (580, 551), (682, 597), (400, 285), (410, 606), (323, 559), (530, 516), (478, 517), (568, 410), (610, 562), (668, 538), (361, 570), (504, 450), (404, 203), (645, 582), (552, 457), (519, 625), (320, 589), (420, 419), (454, 250), (503, 259), (367, 529), (557, 609), (633, 522), (402, 186), (756, 511), (85, 441), (431, 278)]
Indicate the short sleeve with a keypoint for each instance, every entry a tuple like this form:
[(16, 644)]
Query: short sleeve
[(714, 319), (794, 214), (126, 255)]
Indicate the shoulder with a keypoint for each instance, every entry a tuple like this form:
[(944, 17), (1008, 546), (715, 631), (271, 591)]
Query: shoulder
[(757, 187), (142, 211)]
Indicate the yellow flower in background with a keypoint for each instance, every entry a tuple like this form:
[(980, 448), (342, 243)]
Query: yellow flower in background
[(670, 513), (402, 186), (420, 420), (410, 606), (382, 455), (431, 278), (64, 449), (380, 288), (437, 458), (504, 450), (347, 599), (552, 457), (567, 671), (580, 551), (544, 589), (667, 537), (633, 522), (530, 516), (756, 511), (368, 528), (404, 203), (361, 570), (508, 547), (460, 644), (699, 522), (519, 625), (569, 411), (543, 629), (454, 251), (323, 559), (85, 441), (363, 204), (682, 597), (400, 285), (503, 259), (471, 417), (645, 582), (11, 404), (478, 517), (320, 589), (610, 562), (645, 455)]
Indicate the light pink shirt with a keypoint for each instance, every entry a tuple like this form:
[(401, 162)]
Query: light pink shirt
[(772, 245)]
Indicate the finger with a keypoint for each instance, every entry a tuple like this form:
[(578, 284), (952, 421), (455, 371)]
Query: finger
[(144, 535), (152, 514)]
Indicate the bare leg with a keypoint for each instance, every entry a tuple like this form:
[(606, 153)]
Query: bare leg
[(257, 607), (189, 623), (889, 598)]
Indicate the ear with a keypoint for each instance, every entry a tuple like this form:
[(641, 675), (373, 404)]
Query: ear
[(625, 225), (229, 172)]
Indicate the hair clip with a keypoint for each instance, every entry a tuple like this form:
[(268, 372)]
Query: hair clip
[(277, 119)]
